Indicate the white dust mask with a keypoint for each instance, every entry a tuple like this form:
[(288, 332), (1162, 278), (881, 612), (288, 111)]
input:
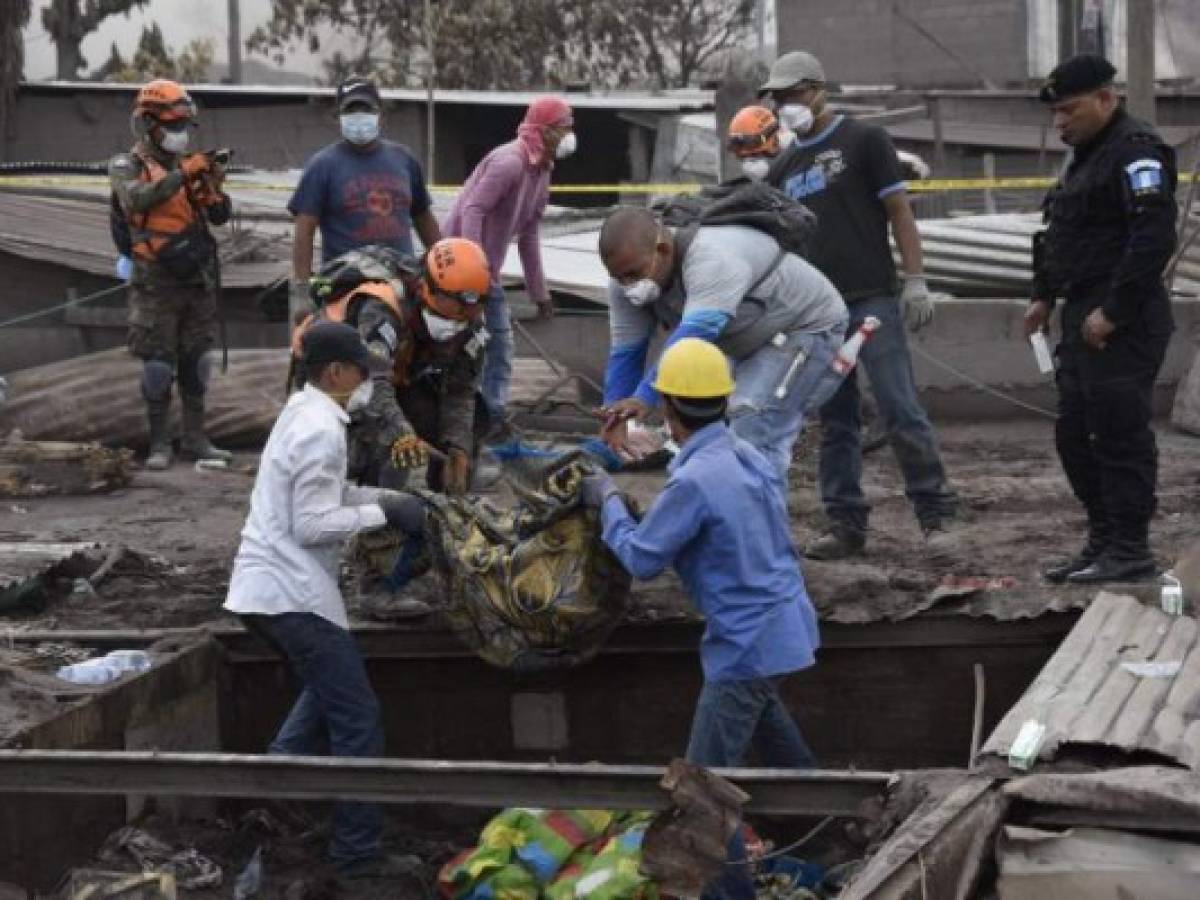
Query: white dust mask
[(756, 169), (643, 292), (360, 128), (175, 141), (360, 396), (440, 328), (797, 117), (568, 145)]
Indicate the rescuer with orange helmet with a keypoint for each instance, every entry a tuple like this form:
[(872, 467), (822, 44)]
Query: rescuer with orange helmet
[(422, 321), (163, 202)]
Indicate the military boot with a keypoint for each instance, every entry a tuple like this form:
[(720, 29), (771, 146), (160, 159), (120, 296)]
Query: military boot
[(159, 457), (1126, 557), (193, 443), (1097, 539)]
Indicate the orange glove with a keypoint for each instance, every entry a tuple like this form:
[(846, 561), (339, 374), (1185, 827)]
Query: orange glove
[(409, 452), (457, 472), (195, 165)]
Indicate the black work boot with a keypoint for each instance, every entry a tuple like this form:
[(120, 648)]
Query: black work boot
[(158, 417), (838, 542), (193, 443), (1097, 540), (1126, 558)]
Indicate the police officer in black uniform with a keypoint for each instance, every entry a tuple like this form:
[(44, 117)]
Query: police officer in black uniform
[(1110, 231)]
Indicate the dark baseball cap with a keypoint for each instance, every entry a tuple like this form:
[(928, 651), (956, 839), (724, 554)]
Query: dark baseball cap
[(330, 342), (1078, 75), (357, 89)]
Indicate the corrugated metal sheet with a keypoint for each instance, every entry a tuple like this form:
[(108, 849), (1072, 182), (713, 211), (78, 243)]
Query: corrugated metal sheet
[(96, 397), (74, 233), (1085, 695)]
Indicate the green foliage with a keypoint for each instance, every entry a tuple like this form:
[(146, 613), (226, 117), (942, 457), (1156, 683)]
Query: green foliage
[(154, 59), (69, 21)]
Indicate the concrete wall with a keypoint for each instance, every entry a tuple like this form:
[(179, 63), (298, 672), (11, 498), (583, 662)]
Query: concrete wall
[(983, 339), (865, 42), (282, 131)]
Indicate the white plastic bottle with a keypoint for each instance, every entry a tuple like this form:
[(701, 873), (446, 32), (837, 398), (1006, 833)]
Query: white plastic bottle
[(847, 355)]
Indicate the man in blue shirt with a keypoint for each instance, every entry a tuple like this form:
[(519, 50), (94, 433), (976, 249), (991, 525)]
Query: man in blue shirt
[(360, 190), (722, 522)]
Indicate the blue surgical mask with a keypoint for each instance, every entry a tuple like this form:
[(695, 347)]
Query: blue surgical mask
[(360, 127)]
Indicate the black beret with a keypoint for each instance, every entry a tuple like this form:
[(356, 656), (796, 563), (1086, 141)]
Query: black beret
[(329, 342), (1078, 75)]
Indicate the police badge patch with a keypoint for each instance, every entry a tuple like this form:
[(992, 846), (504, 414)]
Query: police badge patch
[(1145, 176)]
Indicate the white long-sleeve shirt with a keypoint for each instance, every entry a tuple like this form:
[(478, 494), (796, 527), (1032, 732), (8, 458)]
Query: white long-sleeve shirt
[(302, 512)]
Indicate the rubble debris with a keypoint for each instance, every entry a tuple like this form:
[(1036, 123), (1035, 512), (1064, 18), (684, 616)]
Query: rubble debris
[(41, 468), (685, 847), (1185, 412), (29, 568)]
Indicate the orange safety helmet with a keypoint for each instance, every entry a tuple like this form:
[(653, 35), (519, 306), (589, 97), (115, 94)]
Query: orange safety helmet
[(164, 101), (754, 131), (457, 278)]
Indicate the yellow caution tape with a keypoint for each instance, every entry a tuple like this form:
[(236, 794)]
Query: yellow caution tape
[(933, 185)]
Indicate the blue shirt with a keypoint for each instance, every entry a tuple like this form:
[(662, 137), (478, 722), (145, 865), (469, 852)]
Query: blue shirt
[(362, 198), (723, 524)]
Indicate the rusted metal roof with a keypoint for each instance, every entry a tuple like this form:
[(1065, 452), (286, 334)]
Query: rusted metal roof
[(74, 232), (1126, 678)]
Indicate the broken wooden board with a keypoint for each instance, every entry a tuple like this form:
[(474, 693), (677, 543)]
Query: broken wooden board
[(41, 468)]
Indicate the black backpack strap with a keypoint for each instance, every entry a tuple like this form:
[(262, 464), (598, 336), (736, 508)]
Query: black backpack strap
[(775, 264)]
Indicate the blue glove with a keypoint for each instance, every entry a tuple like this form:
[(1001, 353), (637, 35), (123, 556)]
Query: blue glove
[(596, 489)]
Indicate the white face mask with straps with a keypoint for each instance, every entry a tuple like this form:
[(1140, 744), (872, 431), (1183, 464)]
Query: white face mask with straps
[(643, 292), (175, 141), (442, 329), (756, 169)]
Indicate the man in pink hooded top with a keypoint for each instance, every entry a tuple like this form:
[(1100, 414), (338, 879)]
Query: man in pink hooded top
[(503, 199)]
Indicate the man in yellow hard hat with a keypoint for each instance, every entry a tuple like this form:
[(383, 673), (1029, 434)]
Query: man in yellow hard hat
[(722, 522)]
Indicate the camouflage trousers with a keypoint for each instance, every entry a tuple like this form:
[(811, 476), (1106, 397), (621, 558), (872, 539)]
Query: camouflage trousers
[(170, 321)]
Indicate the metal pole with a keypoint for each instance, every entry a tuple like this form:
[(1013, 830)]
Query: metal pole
[(235, 42), (405, 781), (1139, 59), (430, 80)]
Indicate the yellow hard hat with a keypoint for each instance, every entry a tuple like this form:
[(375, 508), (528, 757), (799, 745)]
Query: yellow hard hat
[(695, 369)]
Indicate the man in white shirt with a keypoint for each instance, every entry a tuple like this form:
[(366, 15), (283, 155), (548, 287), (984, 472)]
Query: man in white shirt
[(284, 585)]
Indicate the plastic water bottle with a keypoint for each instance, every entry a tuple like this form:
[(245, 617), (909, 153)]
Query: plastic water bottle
[(847, 355), (122, 661), (92, 671)]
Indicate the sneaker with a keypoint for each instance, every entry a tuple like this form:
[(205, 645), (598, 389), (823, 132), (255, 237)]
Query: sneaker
[(159, 459), (836, 543), (942, 545)]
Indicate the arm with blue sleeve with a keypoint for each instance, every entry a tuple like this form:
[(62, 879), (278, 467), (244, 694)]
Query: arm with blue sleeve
[(646, 548), (630, 328), (715, 281)]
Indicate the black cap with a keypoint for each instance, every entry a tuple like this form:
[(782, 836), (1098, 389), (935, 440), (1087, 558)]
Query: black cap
[(357, 89), (329, 342), (1078, 75)]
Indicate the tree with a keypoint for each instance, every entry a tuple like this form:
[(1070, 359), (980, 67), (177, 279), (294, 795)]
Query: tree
[(154, 59), (14, 16), (69, 21), (513, 44)]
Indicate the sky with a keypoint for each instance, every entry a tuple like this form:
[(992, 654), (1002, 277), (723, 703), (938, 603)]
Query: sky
[(180, 20)]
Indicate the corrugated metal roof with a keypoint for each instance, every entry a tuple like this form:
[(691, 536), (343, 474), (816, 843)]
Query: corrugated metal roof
[(1091, 692), (74, 233), (1008, 135), (688, 99)]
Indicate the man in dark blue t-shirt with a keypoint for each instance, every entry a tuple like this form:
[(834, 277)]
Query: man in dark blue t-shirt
[(361, 190)]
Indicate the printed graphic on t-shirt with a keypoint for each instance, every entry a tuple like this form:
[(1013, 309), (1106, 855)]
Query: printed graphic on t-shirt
[(378, 205), (824, 171)]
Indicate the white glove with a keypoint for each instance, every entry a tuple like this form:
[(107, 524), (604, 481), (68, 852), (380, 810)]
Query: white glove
[(916, 302)]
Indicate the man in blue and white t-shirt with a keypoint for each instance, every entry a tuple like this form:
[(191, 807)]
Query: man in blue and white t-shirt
[(360, 190)]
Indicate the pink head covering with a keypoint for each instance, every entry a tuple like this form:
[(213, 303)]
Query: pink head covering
[(542, 112)]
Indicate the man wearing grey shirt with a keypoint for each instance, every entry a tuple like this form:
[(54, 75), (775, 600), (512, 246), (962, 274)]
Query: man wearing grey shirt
[(776, 317), (284, 585)]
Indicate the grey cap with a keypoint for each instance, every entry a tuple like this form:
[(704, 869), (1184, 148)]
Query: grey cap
[(791, 69)]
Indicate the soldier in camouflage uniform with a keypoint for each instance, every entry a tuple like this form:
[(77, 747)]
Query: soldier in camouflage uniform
[(163, 200), (421, 321)]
